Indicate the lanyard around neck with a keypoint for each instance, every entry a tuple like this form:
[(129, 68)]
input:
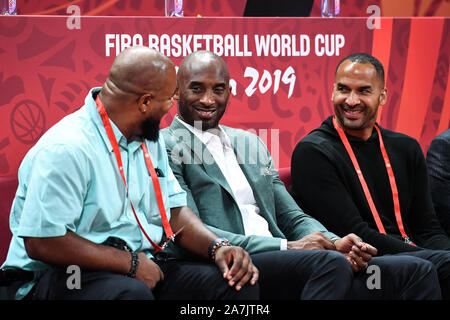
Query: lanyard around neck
[(112, 139), (366, 190)]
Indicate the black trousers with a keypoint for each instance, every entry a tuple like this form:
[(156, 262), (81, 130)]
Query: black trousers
[(183, 280), (441, 261), (285, 275), (401, 278), (319, 274), (303, 274)]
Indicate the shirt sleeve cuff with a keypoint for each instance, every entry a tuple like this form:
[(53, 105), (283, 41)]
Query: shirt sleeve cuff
[(42, 232), (178, 200), (334, 239), (283, 244)]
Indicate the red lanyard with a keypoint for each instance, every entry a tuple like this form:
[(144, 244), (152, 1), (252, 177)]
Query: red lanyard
[(390, 173), (153, 175)]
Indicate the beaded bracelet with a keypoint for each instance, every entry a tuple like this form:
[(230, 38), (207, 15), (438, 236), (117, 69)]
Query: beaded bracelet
[(216, 244), (134, 265)]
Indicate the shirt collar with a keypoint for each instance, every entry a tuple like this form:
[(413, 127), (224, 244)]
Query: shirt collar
[(373, 137), (120, 138), (206, 136)]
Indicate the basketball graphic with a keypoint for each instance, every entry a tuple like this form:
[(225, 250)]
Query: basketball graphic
[(27, 121)]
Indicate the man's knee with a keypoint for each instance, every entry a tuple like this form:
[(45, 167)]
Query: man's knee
[(94, 285), (247, 292), (403, 265), (190, 280), (331, 277), (134, 289), (111, 286), (406, 277), (338, 262), (221, 289)]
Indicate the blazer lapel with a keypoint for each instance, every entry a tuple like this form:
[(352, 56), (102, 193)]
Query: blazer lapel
[(202, 156), (245, 157)]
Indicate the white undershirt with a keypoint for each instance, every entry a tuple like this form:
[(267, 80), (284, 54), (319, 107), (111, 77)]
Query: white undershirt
[(218, 144)]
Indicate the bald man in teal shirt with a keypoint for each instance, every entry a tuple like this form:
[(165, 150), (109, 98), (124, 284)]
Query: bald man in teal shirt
[(72, 207)]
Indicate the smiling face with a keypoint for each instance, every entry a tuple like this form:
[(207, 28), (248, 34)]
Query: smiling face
[(357, 93), (203, 89)]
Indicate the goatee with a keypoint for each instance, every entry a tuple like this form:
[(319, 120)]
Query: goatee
[(150, 129)]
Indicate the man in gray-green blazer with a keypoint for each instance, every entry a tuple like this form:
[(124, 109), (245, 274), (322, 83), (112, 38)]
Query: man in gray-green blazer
[(232, 185), (211, 197)]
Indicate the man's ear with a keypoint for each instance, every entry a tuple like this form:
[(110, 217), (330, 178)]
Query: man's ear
[(333, 90), (176, 95), (383, 96), (144, 102)]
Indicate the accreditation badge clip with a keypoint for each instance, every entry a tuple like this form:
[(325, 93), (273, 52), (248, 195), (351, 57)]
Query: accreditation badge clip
[(172, 238)]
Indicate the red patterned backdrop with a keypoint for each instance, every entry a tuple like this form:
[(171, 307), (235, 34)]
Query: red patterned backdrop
[(48, 68), (132, 7), (349, 8)]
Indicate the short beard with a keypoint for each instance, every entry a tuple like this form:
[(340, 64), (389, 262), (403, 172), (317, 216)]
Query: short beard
[(150, 129)]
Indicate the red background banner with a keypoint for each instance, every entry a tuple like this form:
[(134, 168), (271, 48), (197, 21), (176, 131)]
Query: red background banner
[(48, 68)]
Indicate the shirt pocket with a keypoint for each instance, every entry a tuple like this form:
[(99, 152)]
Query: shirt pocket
[(149, 202)]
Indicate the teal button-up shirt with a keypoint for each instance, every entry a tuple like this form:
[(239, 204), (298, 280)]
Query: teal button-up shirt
[(70, 181)]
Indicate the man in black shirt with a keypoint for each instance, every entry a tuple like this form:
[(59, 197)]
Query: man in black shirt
[(438, 163), (349, 179)]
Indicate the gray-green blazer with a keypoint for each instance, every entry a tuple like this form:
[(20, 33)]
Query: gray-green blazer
[(211, 198)]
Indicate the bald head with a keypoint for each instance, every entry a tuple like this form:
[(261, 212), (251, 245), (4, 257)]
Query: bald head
[(200, 61), (137, 70), (139, 91)]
